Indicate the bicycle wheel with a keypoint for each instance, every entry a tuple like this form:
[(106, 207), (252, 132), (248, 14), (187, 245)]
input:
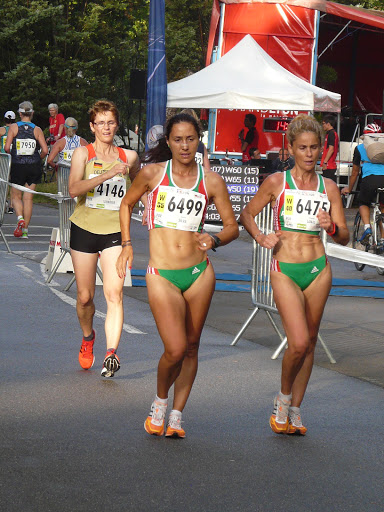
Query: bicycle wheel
[(379, 247), (358, 229)]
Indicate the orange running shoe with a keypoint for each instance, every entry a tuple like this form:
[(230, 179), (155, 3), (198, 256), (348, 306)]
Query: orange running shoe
[(86, 357), (174, 428), (19, 228), (154, 424), (295, 424), (111, 364), (279, 418)]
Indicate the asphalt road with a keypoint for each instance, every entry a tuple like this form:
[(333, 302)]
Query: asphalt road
[(71, 441)]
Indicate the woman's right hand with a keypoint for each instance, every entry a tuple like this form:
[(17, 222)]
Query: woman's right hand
[(120, 168), (268, 241), (125, 258)]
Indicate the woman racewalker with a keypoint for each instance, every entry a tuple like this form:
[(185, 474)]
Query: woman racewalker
[(180, 279), (65, 147), (98, 178), (303, 203)]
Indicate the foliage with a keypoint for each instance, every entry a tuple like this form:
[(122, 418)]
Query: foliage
[(367, 4), (49, 188), (73, 52)]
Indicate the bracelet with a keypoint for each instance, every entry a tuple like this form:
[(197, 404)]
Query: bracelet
[(126, 243), (258, 234), (123, 241), (334, 231)]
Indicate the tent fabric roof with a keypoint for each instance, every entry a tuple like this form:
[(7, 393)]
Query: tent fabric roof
[(230, 83), (370, 17)]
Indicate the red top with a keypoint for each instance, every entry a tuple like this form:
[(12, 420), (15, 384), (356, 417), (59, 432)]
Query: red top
[(54, 123), (331, 139)]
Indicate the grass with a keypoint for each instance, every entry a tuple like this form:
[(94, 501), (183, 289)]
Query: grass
[(50, 188)]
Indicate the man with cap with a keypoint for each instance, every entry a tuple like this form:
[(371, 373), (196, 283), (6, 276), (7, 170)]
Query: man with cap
[(9, 118), (26, 140), (66, 146), (372, 179)]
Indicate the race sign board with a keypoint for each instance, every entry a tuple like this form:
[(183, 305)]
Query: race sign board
[(242, 183)]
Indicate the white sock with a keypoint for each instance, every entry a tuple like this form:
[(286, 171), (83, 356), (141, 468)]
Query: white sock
[(285, 398), (295, 409), (366, 226), (163, 401), (175, 413), (19, 217), (25, 230)]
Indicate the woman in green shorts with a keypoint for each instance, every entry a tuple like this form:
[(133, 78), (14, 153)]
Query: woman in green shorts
[(303, 203), (180, 280)]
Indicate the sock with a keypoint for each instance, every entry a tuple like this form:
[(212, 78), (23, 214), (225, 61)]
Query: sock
[(90, 337), (163, 401), (25, 230), (111, 350), (176, 413), (285, 398), (20, 217), (295, 409), (366, 226)]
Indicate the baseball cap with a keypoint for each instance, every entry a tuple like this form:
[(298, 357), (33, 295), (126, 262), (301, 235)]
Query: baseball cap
[(9, 115), (25, 107)]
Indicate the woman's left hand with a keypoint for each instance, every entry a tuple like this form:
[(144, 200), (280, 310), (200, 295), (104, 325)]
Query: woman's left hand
[(205, 241), (325, 220)]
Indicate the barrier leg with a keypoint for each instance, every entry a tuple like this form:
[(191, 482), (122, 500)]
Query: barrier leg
[(274, 325), (242, 330), (5, 241), (57, 265), (73, 278), (99, 273), (326, 350), (279, 349)]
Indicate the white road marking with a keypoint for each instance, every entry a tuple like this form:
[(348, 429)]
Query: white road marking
[(69, 300)]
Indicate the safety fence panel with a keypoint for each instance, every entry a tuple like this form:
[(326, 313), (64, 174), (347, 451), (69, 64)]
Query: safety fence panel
[(5, 169)]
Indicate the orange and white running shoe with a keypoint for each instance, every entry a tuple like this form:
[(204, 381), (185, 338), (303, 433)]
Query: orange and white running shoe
[(111, 364), (86, 357), (174, 428), (279, 418), (154, 424), (295, 424), (19, 228)]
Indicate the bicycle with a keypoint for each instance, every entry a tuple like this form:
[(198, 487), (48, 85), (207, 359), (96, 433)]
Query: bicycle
[(372, 243), (49, 168)]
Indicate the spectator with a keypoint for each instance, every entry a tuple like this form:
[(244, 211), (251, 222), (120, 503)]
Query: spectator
[(284, 162), (56, 123), (331, 148), (252, 137), (26, 169)]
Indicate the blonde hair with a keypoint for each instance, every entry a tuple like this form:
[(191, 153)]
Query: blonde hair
[(70, 132), (303, 123)]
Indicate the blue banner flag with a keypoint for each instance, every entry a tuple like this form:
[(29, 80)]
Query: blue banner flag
[(157, 74)]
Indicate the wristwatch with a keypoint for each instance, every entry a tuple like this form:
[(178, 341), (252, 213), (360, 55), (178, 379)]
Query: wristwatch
[(216, 240)]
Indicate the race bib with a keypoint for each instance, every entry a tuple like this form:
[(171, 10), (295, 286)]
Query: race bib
[(301, 208), (25, 147), (107, 195), (178, 208), (67, 155)]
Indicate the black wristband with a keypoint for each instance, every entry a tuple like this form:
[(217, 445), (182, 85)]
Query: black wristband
[(216, 240)]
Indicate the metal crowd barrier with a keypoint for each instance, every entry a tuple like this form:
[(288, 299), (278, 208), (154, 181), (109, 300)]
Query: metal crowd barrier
[(66, 207), (262, 294), (5, 169)]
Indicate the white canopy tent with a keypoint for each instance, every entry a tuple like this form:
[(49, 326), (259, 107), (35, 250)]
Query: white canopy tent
[(248, 78)]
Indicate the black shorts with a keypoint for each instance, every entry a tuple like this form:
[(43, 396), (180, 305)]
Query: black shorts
[(85, 241), (368, 188), (25, 173), (330, 173)]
